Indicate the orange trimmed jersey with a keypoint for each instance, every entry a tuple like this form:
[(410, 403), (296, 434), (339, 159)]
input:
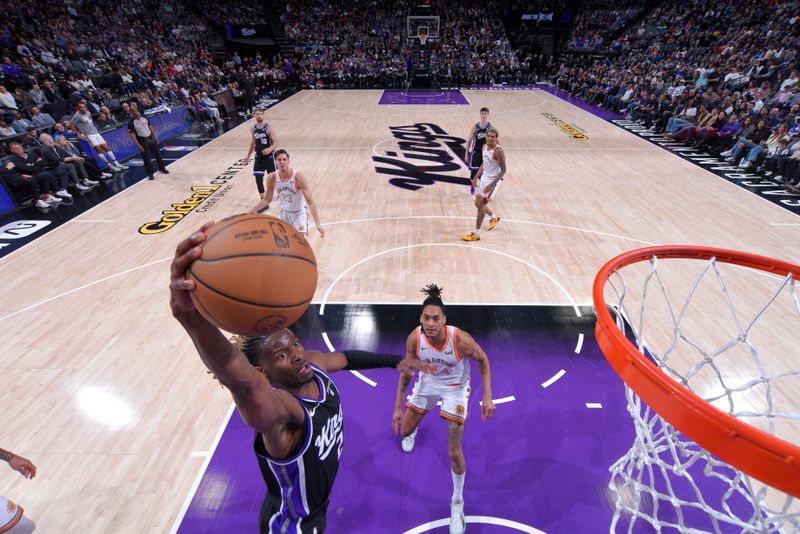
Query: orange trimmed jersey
[(451, 369)]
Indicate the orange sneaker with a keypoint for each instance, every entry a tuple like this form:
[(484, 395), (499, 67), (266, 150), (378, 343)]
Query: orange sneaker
[(472, 236), (493, 222)]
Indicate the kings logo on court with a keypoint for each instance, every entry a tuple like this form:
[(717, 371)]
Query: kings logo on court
[(425, 153)]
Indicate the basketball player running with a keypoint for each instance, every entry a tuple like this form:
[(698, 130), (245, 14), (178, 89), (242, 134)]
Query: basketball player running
[(286, 395), (444, 347), (12, 519), (486, 181), (293, 195), (475, 141), (264, 141)]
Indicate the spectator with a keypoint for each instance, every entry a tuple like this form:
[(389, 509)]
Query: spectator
[(7, 100), (33, 168), (6, 130), (74, 167), (71, 154), (41, 120)]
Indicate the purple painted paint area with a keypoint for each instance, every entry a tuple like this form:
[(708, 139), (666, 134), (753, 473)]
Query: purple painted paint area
[(542, 460), (433, 97)]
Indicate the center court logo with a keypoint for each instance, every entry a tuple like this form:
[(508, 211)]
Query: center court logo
[(423, 157)]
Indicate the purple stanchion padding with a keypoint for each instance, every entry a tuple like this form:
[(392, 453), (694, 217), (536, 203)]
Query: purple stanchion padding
[(432, 97)]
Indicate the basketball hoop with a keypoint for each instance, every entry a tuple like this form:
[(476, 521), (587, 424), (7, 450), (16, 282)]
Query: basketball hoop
[(693, 450), (423, 36)]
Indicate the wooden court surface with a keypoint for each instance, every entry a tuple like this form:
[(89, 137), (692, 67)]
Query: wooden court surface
[(104, 391)]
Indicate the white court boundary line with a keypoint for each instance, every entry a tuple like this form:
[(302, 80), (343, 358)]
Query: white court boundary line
[(477, 519), (459, 245), (199, 478), (113, 197), (132, 269), (393, 111), (84, 286), (579, 346), (553, 379)]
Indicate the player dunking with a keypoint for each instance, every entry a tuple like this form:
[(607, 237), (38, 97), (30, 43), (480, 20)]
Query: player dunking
[(293, 195), (264, 141), (486, 181), (475, 142), (286, 395), (443, 347)]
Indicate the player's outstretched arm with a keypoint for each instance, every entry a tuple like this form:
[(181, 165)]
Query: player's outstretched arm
[(478, 175), (260, 406), (354, 360), (402, 383), (274, 145), (302, 185), (470, 138), (468, 347), (18, 463), (250, 150)]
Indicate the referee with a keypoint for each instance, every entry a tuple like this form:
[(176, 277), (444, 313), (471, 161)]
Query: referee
[(146, 140)]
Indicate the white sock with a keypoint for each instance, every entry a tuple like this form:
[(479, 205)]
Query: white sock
[(113, 157), (477, 231), (102, 157), (458, 485)]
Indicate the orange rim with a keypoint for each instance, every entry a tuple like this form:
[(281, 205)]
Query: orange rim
[(753, 451)]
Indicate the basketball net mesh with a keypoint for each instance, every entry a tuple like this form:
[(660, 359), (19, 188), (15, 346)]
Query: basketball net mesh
[(666, 479)]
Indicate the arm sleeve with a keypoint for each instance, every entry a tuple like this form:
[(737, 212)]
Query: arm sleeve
[(361, 359)]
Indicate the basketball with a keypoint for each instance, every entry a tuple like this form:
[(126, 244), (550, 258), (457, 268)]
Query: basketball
[(256, 274)]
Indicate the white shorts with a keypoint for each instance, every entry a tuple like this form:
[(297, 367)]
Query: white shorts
[(454, 400), (484, 183), (96, 139), (10, 514), (298, 219)]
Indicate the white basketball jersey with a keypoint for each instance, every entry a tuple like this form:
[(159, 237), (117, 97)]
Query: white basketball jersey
[(289, 197), (451, 370), (491, 167)]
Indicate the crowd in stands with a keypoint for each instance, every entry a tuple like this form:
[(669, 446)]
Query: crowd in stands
[(598, 20), (720, 75)]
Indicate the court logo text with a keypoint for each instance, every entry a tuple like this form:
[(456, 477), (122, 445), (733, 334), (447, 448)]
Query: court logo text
[(426, 152)]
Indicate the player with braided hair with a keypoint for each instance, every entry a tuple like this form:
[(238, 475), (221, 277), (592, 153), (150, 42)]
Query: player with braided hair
[(444, 347), (285, 394)]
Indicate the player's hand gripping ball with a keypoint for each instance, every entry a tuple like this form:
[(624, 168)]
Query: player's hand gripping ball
[(256, 274)]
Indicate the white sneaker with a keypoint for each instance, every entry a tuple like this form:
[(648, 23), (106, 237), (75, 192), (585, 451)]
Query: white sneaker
[(730, 160), (122, 167), (63, 194), (87, 181), (51, 199), (42, 204), (80, 187), (408, 441), (106, 175), (458, 524), (726, 154)]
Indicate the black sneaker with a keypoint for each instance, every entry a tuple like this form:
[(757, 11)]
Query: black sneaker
[(164, 171), (151, 177)]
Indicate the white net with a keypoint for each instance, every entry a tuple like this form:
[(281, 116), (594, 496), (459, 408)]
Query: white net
[(730, 337)]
